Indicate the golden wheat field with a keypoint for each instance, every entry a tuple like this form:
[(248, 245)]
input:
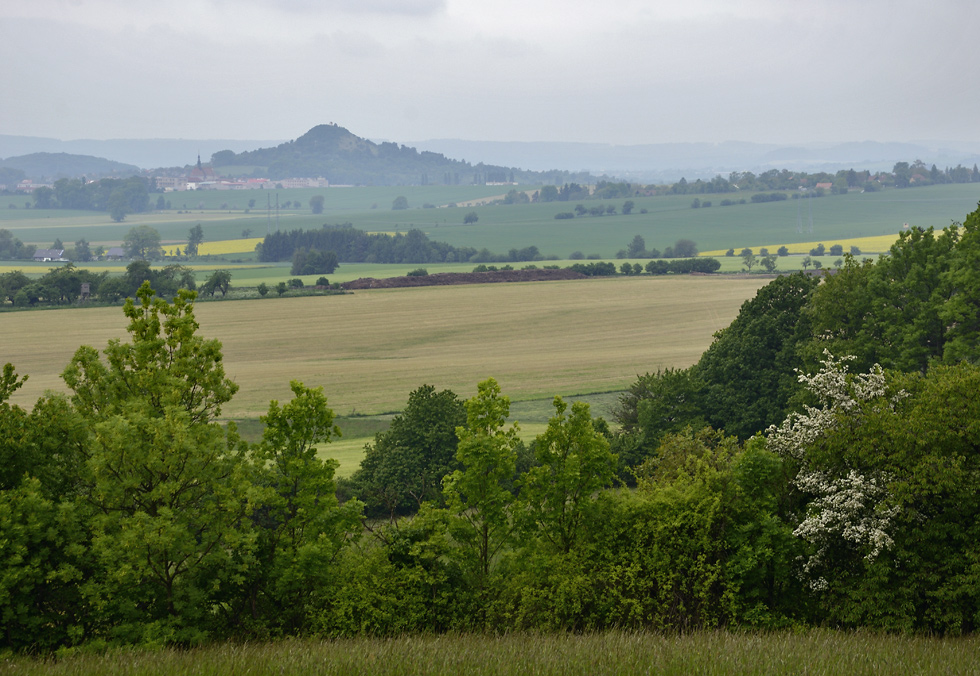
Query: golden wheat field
[(371, 348)]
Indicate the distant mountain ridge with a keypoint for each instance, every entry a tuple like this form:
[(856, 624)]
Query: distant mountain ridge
[(644, 163), (333, 152), (143, 153), (52, 166)]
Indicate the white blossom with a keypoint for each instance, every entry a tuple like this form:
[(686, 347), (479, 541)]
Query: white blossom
[(847, 505)]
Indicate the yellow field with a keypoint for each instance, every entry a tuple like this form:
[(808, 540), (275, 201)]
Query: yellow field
[(370, 349), (219, 248), (867, 245)]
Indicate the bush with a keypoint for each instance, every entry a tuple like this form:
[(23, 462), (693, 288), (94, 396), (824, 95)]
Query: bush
[(599, 269), (564, 215), (417, 272), (263, 289), (295, 283)]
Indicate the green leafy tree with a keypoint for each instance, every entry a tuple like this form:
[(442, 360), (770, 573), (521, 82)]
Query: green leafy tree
[(685, 248), (637, 248), (749, 260), (470, 218), (316, 204), (220, 280), (558, 495), (655, 405), (400, 202), (478, 494), (263, 289), (405, 465), (162, 477), (748, 370), (961, 313), (628, 206), (143, 242), (117, 207), (194, 239), (301, 526), (83, 253), (893, 311)]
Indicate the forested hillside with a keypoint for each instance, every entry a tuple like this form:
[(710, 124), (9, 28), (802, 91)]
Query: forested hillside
[(820, 465), (343, 158), (52, 166)]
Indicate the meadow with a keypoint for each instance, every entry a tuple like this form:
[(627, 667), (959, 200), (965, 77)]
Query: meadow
[(370, 349), (814, 652)]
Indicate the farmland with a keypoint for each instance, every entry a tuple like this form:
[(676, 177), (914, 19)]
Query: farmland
[(370, 349), (225, 216)]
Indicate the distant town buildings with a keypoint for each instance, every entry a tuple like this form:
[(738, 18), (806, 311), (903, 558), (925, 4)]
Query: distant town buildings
[(203, 177)]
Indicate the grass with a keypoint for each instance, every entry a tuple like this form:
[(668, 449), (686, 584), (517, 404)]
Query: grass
[(813, 652)]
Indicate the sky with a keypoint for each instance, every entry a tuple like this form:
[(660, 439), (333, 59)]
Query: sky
[(621, 72)]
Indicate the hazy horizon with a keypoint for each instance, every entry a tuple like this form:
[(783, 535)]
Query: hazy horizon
[(629, 72)]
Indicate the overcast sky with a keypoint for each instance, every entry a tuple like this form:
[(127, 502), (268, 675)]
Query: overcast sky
[(613, 71)]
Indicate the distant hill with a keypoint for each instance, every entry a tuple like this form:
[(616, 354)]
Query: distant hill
[(52, 166), (145, 153), (336, 154)]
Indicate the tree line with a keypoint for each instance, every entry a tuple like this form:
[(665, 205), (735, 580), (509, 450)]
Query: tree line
[(63, 285), (903, 175), (351, 245)]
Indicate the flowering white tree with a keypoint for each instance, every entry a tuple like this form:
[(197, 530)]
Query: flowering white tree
[(848, 506)]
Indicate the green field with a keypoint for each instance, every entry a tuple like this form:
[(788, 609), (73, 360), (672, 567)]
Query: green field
[(501, 228), (813, 652)]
